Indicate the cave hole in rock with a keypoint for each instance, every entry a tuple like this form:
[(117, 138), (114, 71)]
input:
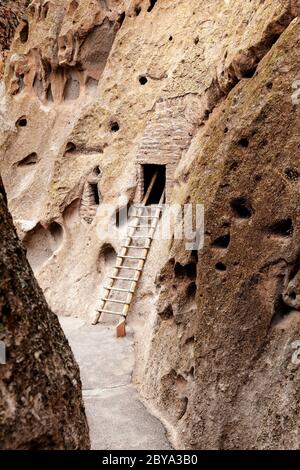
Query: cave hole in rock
[(220, 267), (91, 86), (94, 193), (45, 10), (244, 142), (292, 174), (184, 405), (156, 192), (281, 310), (250, 72), (21, 122), (114, 126), (21, 82), (152, 5), (188, 270), (191, 290), (241, 208), (167, 313), (31, 159), (56, 231), (122, 18), (222, 241), (282, 228), (97, 170), (107, 257), (70, 147), (72, 89), (170, 38), (24, 33), (143, 80), (137, 10)]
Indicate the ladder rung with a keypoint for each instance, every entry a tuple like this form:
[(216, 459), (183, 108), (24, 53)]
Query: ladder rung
[(102, 310), (117, 289), (140, 226), (118, 278), (132, 257), (139, 236), (148, 216), (129, 268), (135, 246), (151, 206), (114, 301)]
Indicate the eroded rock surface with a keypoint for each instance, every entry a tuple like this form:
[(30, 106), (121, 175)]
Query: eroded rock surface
[(40, 390)]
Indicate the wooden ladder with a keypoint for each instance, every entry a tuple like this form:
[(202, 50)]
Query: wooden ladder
[(134, 250)]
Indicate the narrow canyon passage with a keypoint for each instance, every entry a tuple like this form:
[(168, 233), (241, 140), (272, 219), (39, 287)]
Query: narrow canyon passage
[(117, 418)]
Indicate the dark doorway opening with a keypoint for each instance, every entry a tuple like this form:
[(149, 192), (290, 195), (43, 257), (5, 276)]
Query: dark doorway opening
[(159, 185)]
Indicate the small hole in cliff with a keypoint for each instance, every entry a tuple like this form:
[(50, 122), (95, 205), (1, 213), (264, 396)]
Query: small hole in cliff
[(184, 405), (107, 256), (109, 253), (191, 290), (292, 174), (189, 270), (281, 310), (24, 33), (241, 208), (274, 38), (152, 5), (171, 38), (269, 85), (31, 159), (122, 18), (257, 178), (196, 40), (95, 193), (282, 228), (250, 73), (222, 242), (45, 10), (166, 313), (220, 267), (114, 126), (70, 147), (72, 89), (97, 171), (21, 122), (56, 231), (225, 130), (143, 80), (293, 295), (243, 142), (137, 11), (49, 95)]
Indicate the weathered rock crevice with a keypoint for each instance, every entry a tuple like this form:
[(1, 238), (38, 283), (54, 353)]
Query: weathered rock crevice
[(41, 404)]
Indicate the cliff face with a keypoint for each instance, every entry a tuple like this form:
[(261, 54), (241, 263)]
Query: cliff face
[(40, 393), (95, 89)]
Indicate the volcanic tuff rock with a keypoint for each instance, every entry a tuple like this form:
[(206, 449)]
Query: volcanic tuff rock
[(40, 390), (92, 89)]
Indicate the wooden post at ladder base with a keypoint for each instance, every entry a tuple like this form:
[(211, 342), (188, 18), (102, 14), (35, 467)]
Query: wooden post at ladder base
[(121, 328)]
